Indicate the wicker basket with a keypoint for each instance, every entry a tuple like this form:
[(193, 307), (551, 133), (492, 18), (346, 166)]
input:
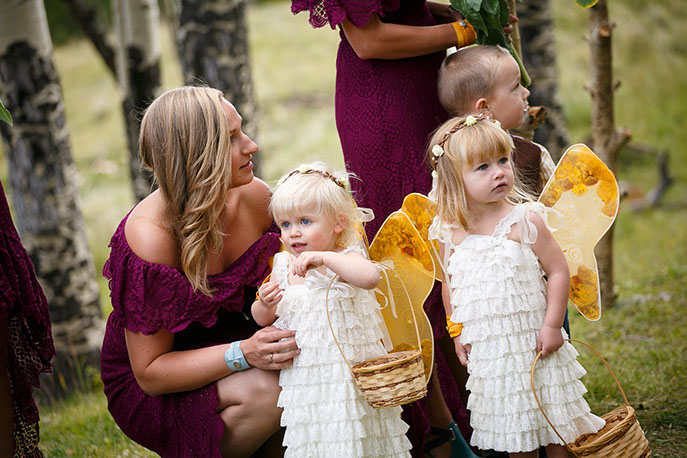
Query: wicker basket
[(392, 380), (621, 437), (389, 380)]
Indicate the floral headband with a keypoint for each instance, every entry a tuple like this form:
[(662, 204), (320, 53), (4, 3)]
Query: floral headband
[(471, 120), (307, 170)]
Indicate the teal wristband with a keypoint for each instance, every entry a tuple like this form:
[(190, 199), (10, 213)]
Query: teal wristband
[(234, 357)]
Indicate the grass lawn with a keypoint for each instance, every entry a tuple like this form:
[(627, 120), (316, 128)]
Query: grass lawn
[(644, 337)]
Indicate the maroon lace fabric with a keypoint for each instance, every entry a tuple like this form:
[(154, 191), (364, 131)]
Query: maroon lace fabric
[(30, 346), (385, 112), (148, 297)]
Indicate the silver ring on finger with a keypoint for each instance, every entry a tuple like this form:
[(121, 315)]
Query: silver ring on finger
[(272, 357)]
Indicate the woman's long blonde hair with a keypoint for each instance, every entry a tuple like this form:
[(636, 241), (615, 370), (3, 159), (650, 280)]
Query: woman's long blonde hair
[(465, 145), (184, 139)]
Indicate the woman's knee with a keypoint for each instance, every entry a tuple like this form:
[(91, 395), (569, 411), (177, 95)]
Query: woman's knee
[(265, 388), (253, 389)]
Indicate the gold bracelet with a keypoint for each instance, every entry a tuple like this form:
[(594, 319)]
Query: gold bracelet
[(465, 33), (454, 329)]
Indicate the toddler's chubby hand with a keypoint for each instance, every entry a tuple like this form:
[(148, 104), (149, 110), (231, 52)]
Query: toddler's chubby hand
[(270, 294), (306, 261), (462, 351), (549, 341)]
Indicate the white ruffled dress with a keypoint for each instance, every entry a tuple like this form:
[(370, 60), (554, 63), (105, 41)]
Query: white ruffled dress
[(498, 293), (325, 413)]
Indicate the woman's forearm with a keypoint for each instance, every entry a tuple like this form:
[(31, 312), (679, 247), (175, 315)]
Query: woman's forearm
[(379, 40)]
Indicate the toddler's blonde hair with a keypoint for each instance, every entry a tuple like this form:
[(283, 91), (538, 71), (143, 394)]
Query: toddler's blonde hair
[(318, 189), (465, 146)]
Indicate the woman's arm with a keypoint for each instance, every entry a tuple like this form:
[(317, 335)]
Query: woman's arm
[(350, 267), (379, 40), (555, 266), (159, 370)]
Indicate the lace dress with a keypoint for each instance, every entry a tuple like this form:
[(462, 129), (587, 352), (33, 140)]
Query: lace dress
[(23, 307), (498, 292), (325, 413), (385, 112), (148, 297)]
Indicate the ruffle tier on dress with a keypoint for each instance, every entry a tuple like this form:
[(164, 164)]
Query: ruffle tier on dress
[(498, 293), (325, 413)]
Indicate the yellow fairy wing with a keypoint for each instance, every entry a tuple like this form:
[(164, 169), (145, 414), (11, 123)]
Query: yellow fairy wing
[(585, 192), (421, 212), (408, 278)]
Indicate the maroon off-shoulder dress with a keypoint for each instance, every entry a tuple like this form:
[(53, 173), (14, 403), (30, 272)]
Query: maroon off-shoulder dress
[(29, 341), (385, 112), (149, 297)]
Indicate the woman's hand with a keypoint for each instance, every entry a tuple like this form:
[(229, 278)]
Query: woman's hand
[(462, 351), (266, 349), (549, 341)]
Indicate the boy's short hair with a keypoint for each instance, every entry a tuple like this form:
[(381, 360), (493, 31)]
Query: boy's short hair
[(467, 75)]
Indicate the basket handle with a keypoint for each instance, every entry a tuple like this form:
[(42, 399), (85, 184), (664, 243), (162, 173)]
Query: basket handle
[(534, 391), (331, 328)]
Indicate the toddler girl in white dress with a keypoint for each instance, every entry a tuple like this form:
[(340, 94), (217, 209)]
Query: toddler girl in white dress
[(506, 282), (325, 413)]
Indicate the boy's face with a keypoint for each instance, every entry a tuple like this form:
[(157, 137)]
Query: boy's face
[(508, 101)]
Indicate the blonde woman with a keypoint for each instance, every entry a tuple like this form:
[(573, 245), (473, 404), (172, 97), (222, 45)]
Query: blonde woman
[(186, 371)]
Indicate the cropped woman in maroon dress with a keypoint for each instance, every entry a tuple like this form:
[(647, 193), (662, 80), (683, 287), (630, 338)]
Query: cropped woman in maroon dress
[(386, 107), (26, 345), (183, 271)]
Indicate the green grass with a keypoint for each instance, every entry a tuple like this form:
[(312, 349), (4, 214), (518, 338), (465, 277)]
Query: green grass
[(643, 337)]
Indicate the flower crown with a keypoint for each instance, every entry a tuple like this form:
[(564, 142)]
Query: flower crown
[(307, 170), (470, 120)]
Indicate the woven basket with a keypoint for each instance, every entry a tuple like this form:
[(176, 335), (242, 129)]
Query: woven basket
[(389, 380), (392, 380), (621, 437)]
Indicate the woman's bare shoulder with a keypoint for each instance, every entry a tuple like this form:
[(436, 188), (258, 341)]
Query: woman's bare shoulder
[(255, 197), (148, 235)]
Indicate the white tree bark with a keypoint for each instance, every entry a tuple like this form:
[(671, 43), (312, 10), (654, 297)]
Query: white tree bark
[(212, 40), (138, 73)]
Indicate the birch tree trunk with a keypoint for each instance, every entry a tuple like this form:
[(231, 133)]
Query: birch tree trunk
[(212, 40), (539, 57), (606, 140), (138, 70), (43, 183), (95, 30)]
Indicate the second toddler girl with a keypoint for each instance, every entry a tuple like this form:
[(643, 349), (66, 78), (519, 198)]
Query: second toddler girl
[(325, 413), (497, 250)]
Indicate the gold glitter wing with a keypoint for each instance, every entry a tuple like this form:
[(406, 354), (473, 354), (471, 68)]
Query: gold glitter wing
[(585, 192), (408, 272)]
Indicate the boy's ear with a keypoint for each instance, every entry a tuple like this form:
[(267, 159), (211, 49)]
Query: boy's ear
[(481, 104)]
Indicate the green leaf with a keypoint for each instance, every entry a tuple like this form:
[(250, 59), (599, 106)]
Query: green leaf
[(470, 10), (504, 13), (491, 7), (586, 3), (4, 114)]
